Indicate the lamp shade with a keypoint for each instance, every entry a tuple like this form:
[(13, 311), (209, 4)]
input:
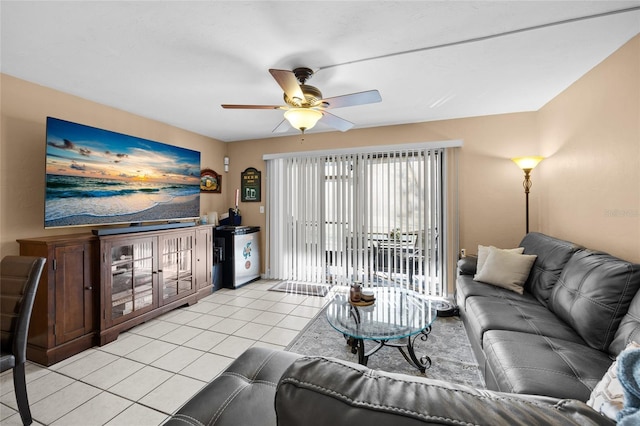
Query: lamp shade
[(302, 118), (527, 163)]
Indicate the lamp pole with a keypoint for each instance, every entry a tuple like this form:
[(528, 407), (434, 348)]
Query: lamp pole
[(527, 186)]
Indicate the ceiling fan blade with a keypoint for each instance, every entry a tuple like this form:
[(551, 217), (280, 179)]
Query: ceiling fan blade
[(289, 83), (282, 127), (360, 98), (335, 121), (233, 106)]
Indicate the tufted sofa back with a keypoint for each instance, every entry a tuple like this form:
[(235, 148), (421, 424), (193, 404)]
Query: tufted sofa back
[(553, 254), (629, 328), (593, 293)]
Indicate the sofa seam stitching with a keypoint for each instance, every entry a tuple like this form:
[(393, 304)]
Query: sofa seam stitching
[(418, 414), (246, 383), (183, 417), (225, 404), (262, 365), (372, 405)]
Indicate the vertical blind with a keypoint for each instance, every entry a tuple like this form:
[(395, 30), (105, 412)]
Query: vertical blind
[(375, 217)]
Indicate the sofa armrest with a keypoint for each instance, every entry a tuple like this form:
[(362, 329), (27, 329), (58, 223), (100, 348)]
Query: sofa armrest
[(324, 391), (467, 265), (242, 395)]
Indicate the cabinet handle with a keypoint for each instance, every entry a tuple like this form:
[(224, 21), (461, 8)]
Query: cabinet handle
[(89, 288)]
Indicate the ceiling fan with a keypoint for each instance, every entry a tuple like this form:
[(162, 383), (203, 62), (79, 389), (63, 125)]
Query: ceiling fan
[(305, 105)]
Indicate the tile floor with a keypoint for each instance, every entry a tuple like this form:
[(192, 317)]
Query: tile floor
[(152, 369)]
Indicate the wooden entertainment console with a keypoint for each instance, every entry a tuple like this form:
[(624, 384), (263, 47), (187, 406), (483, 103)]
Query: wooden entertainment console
[(94, 287)]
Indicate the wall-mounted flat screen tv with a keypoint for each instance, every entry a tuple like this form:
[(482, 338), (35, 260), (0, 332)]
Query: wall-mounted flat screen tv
[(99, 177)]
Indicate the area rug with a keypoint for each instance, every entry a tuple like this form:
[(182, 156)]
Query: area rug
[(447, 346), (307, 289)]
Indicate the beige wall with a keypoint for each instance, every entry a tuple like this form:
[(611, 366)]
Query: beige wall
[(25, 107), (591, 180), (587, 190), (491, 198)]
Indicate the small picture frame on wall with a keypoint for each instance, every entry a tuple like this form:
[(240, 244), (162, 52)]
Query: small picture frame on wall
[(250, 182), (210, 181)]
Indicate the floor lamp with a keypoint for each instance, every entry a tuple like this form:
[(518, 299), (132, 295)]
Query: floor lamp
[(527, 164)]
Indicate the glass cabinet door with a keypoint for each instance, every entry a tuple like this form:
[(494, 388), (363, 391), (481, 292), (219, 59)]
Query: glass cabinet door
[(131, 277), (177, 265)]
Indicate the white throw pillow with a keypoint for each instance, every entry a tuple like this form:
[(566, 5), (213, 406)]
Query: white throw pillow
[(483, 252), (607, 398), (506, 269)]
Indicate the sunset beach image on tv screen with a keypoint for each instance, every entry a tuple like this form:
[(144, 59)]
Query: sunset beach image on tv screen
[(96, 176)]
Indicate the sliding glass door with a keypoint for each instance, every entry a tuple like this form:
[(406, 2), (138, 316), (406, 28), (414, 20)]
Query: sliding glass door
[(374, 217)]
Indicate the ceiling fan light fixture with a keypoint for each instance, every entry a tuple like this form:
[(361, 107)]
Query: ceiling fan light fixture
[(302, 118)]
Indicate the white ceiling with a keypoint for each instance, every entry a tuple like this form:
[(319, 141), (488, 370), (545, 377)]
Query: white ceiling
[(177, 61)]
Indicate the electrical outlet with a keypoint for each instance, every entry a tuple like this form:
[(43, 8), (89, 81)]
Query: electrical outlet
[(463, 253)]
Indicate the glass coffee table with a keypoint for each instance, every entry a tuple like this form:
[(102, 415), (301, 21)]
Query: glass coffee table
[(396, 318)]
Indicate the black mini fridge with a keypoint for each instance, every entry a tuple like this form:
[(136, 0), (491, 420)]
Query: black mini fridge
[(240, 254)]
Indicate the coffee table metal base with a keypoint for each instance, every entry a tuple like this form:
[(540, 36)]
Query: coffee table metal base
[(422, 363)]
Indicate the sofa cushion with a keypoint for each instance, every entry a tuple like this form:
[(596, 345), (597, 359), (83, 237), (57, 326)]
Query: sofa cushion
[(487, 314), (552, 254), (242, 394), (506, 269), (318, 391), (629, 328), (541, 365), (466, 287), (593, 294)]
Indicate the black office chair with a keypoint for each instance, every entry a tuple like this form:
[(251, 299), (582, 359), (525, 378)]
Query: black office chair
[(19, 277)]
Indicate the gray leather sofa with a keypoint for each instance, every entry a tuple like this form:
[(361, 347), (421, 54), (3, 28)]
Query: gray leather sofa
[(561, 335), (542, 352), (265, 387)]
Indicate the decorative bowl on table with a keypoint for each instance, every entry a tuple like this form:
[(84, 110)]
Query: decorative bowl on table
[(367, 295)]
